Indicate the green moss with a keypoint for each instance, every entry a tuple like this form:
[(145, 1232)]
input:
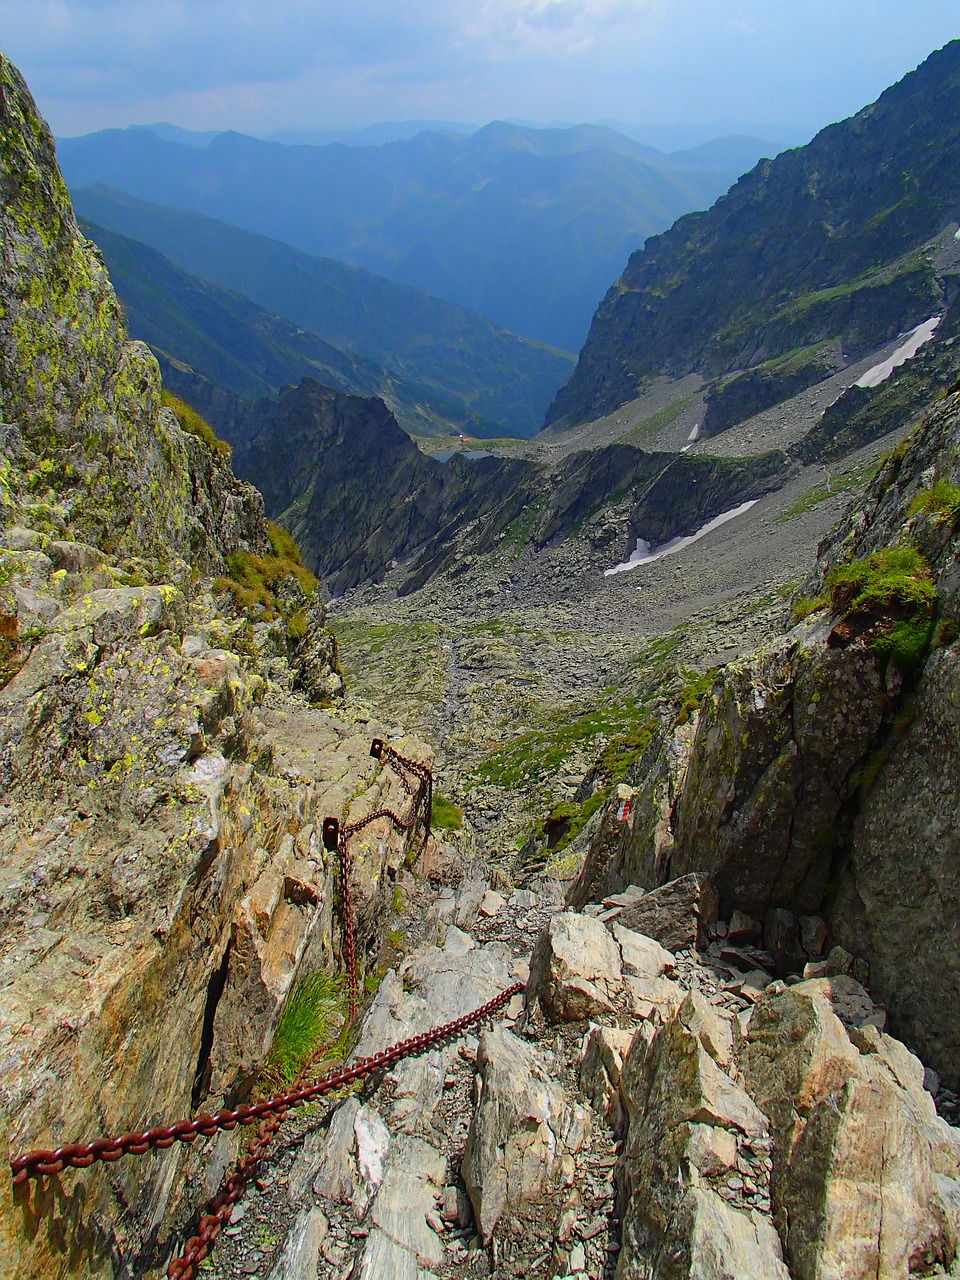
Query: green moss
[(890, 596), (696, 684), (907, 643), (191, 422)]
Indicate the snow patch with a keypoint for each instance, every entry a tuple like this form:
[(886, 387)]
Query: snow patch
[(914, 341), (694, 435), (644, 554)]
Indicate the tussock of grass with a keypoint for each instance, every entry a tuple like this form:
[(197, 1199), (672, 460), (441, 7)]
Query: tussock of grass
[(445, 815), (314, 1017), (893, 578), (892, 593), (253, 580), (941, 502), (191, 422), (803, 606)]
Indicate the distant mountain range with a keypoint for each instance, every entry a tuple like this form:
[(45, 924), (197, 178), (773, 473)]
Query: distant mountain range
[(527, 226), (229, 358), (847, 241), (437, 365)]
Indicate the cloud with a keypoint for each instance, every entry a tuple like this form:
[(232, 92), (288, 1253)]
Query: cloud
[(558, 26)]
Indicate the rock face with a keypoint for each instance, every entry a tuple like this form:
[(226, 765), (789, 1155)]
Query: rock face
[(162, 878), (759, 796), (86, 445), (865, 1176)]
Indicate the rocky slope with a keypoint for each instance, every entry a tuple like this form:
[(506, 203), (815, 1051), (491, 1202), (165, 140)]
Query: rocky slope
[(835, 240), (647, 1108), (165, 757)]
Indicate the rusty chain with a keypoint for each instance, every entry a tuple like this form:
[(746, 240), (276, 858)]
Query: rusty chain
[(336, 836), (271, 1112), (335, 839), (211, 1224)]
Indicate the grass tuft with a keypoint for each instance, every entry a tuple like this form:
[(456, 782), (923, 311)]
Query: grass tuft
[(445, 815), (313, 1017), (941, 502), (891, 597), (803, 606), (191, 422)]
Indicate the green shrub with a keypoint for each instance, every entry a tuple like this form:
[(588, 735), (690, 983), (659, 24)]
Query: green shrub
[(313, 1016)]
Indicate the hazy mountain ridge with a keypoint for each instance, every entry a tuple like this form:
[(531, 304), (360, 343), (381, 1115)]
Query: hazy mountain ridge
[(203, 333), (460, 359), (831, 240), (490, 220)]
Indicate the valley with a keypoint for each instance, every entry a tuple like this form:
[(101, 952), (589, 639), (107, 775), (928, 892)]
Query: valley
[(520, 669)]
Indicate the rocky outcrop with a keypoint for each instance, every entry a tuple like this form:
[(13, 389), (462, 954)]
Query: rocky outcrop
[(742, 395), (689, 1126), (87, 447), (865, 1177), (360, 496), (522, 1128)]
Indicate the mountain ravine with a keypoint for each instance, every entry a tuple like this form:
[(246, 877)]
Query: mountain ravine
[(694, 821)]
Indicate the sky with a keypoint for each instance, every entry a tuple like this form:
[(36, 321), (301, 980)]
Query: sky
[(259, 66)]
